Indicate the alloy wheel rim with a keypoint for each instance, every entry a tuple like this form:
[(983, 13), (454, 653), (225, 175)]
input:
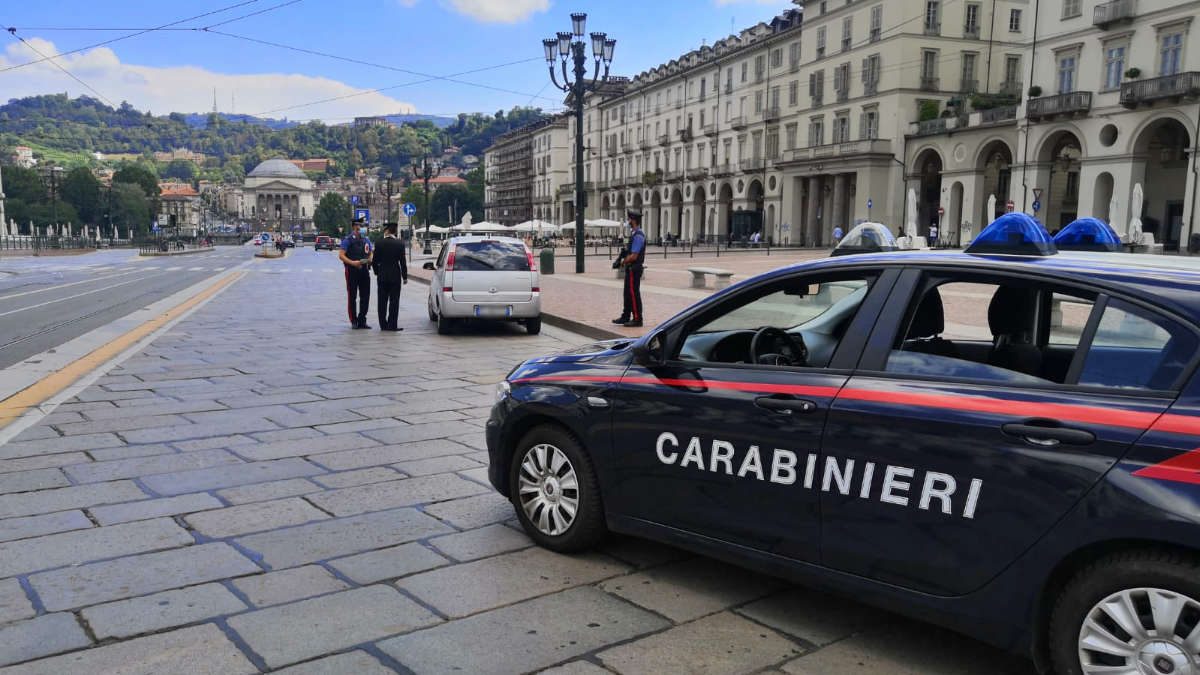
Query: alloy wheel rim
[(1141, 631), (548, 489)]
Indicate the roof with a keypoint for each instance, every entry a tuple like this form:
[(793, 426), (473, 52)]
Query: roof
[(177, 190), (276, 168), (447, 179)]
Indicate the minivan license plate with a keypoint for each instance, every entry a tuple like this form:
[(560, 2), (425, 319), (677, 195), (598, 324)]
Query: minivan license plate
[(493, 312)]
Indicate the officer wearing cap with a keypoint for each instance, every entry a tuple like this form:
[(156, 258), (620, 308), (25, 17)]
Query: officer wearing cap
[(356, 257), (631, 314), (390, 272)]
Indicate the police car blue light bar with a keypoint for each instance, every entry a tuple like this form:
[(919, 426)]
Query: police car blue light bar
[(866, 238), (1014, 234), (1088, 234)]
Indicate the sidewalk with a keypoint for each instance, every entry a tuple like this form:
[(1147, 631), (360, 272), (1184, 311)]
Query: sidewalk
[(262, 486), (593, 299)]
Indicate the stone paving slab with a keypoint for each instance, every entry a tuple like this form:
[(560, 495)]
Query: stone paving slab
[(388, 563), (551, 629), (301, 630), (397, 493), (357, 662), (261, 492), (200, 480), (62, 499), (721, 643), (356, 459), (480, 543), (168, 609), (55, 550), (35, 526), (309, 446), (297, 583), (247, 518), (693, 588), (33, 479), (47, 634), (14, 604), (200, 650), (154, 508), (42, 461), (96, 472), (377, 474)]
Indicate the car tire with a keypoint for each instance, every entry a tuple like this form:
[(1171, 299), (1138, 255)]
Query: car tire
[(1125, 580), (444, 325), (534, 326), (542, 448), (429, 308)]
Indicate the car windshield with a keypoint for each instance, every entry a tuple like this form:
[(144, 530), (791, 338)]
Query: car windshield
[(792, 307), (490, 256)]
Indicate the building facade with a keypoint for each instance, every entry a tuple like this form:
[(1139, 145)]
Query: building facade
[(179, 209), (278, 194), (512, 182)]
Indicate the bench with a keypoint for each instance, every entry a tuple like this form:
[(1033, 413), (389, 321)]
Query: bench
[(723, 278)]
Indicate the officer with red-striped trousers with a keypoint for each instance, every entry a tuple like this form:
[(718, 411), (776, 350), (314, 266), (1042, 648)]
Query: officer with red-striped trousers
[(356, 256), (631, 313)]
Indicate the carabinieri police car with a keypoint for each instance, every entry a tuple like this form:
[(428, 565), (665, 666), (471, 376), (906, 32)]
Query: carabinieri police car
[(1004, 441)]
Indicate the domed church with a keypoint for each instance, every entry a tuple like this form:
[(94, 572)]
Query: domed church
[(279, 195)]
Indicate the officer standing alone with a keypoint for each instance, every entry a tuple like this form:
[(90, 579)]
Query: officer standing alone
[(356, 257), (390, 272), (631, 314)]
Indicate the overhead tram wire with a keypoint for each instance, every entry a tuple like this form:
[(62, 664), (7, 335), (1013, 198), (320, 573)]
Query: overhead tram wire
[(165, 26), (56, 64)]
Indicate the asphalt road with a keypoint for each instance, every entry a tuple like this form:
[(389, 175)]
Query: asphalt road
[(47, 301)]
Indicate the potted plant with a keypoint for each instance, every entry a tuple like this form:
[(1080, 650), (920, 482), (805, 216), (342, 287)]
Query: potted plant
[(1035, 91), (1133, 73)]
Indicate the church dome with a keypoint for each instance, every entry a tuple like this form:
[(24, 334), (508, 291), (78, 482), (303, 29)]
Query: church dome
[(276, 168)]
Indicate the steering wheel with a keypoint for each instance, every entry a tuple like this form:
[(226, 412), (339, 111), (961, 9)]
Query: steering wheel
[(772, 346)]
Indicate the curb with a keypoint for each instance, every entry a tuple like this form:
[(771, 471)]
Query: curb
[(562, 322)]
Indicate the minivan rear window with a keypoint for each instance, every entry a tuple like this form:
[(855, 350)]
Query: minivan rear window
[(490, 256)]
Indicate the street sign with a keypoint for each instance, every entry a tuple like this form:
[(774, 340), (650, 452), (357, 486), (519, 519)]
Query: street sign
[(354, 199), (363, 215), (1037, 204), (941, 211), (1012, 206), (1037, 195), (870, 203), (409, 209)]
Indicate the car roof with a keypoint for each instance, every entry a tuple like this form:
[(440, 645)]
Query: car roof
[(1166, 279), (466, 238)]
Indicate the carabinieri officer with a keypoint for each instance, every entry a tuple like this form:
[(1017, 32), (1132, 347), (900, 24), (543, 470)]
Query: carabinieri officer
[(634, 263), (356, 256)]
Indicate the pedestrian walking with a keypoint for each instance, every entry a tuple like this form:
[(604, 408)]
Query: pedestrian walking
[(837, 235), (631, 314), (933, 235), (355, 255), (390, 272)]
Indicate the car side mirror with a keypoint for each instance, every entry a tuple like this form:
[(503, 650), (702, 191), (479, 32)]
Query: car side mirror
[(427, 266), (652, 351)]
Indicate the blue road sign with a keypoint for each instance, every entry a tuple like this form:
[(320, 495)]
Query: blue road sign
[(1037, 205), (870, 203), (353, 199), (409, 209), (362, 214)]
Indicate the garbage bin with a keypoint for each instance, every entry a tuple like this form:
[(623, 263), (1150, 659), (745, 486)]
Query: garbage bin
[(547, 260)]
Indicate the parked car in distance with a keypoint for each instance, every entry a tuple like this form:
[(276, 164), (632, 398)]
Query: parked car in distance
[(484, 278), (324, 242)]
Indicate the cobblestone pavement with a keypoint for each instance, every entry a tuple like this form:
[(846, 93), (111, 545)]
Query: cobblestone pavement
[(263, 488)]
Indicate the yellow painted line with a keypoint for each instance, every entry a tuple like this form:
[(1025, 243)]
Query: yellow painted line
[(19, 403)]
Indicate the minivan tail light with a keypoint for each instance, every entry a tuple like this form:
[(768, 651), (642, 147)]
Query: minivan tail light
[(537, 289), (447, 289), (450, 261)]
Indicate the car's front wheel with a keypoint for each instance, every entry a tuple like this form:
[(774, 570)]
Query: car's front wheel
[(1136, 612), (534, 326), (555, 491)]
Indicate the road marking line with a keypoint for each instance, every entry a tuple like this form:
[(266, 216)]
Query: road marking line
[(21, 402), (174, 269), (218, 269), (73, 283), (78, 295), (195, 269)]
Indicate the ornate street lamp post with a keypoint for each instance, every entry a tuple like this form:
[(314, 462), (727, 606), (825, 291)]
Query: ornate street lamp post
[(572, 45), (424, 171)]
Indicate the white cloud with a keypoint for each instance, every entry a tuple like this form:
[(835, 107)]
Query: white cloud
[(756, 2), (500, 11), (185, 88)]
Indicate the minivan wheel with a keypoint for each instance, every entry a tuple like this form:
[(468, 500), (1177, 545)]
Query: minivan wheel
[(1136, 612), (429, 308), (554, 490), (444, 325), (534, 326)]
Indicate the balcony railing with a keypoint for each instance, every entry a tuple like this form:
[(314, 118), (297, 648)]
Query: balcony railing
[(771, 114), (728, 87), (664, 139), (685, 135), (709, 129), (969, 86), (759, 76), (756, 164), (644, 144), (738, 122), (1061, 104), (933, 28), (678, 103), (1159, 88), (875, 34), (627, 147), (673, 176), (698, 173), (1109, 12), (931, 127), (700, 98), (1011, 87), (971, 32), (1001, 114), (849, 149), (725, 169), (870, 88), (929, 83), (818, 100), (842, 95), (794, 66)]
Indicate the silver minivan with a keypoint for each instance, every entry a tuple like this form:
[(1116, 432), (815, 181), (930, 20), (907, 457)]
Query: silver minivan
[(487, 278)]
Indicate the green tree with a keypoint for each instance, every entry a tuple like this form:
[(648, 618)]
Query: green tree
[(23, 184), (81, 190), (415, 194), (140, 176), (455, 197), (129, 208), (181, 169), (475, 182), (57, 212), (333, 212)]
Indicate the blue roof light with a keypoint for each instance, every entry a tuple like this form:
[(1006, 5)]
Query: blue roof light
[(866, 238), (1088, 234), (1014, 234)]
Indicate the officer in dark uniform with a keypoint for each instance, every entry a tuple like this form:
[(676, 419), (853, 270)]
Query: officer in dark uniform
[(356, 257), (390, 271), (631, 314)]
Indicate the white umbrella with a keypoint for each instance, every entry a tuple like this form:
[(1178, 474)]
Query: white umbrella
[(603, 224)]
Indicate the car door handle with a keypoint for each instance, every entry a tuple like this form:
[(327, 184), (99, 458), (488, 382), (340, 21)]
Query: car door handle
[(1048, 433), (785, 406)]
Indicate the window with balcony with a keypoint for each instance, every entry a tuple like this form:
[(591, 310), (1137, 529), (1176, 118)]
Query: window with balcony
[(758, 101), (1014, 20), (929, 77), (776, 58), (876, 23), (870, 75), (756, 145), (841, 81), (1012, 75), (773, 102), (816, 132), (816, 87), (841, 128), (971, 25), (969, 83), (794, 55), (847, 32), (794, 92), (760, 67), (1169, 53), (933, 19), (790, 130), (1072, 8), (773, 145), (1114, 65), (868, 124), (821, 42), (1066, 72)]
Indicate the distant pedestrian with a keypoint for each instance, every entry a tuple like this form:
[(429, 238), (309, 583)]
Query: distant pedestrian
[(355, 255), (631, 313), (933, 234), (390, 272), (837, 235)]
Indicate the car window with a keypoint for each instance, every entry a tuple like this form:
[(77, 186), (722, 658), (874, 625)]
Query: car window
[(490, 256), (1137, 348), (810, 316), (1000, 331), (442, 256)]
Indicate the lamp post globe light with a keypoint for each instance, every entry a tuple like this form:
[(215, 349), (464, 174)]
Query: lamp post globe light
[(571, 45)]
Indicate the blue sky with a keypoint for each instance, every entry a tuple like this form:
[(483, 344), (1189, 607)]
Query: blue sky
[(177, 70)]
